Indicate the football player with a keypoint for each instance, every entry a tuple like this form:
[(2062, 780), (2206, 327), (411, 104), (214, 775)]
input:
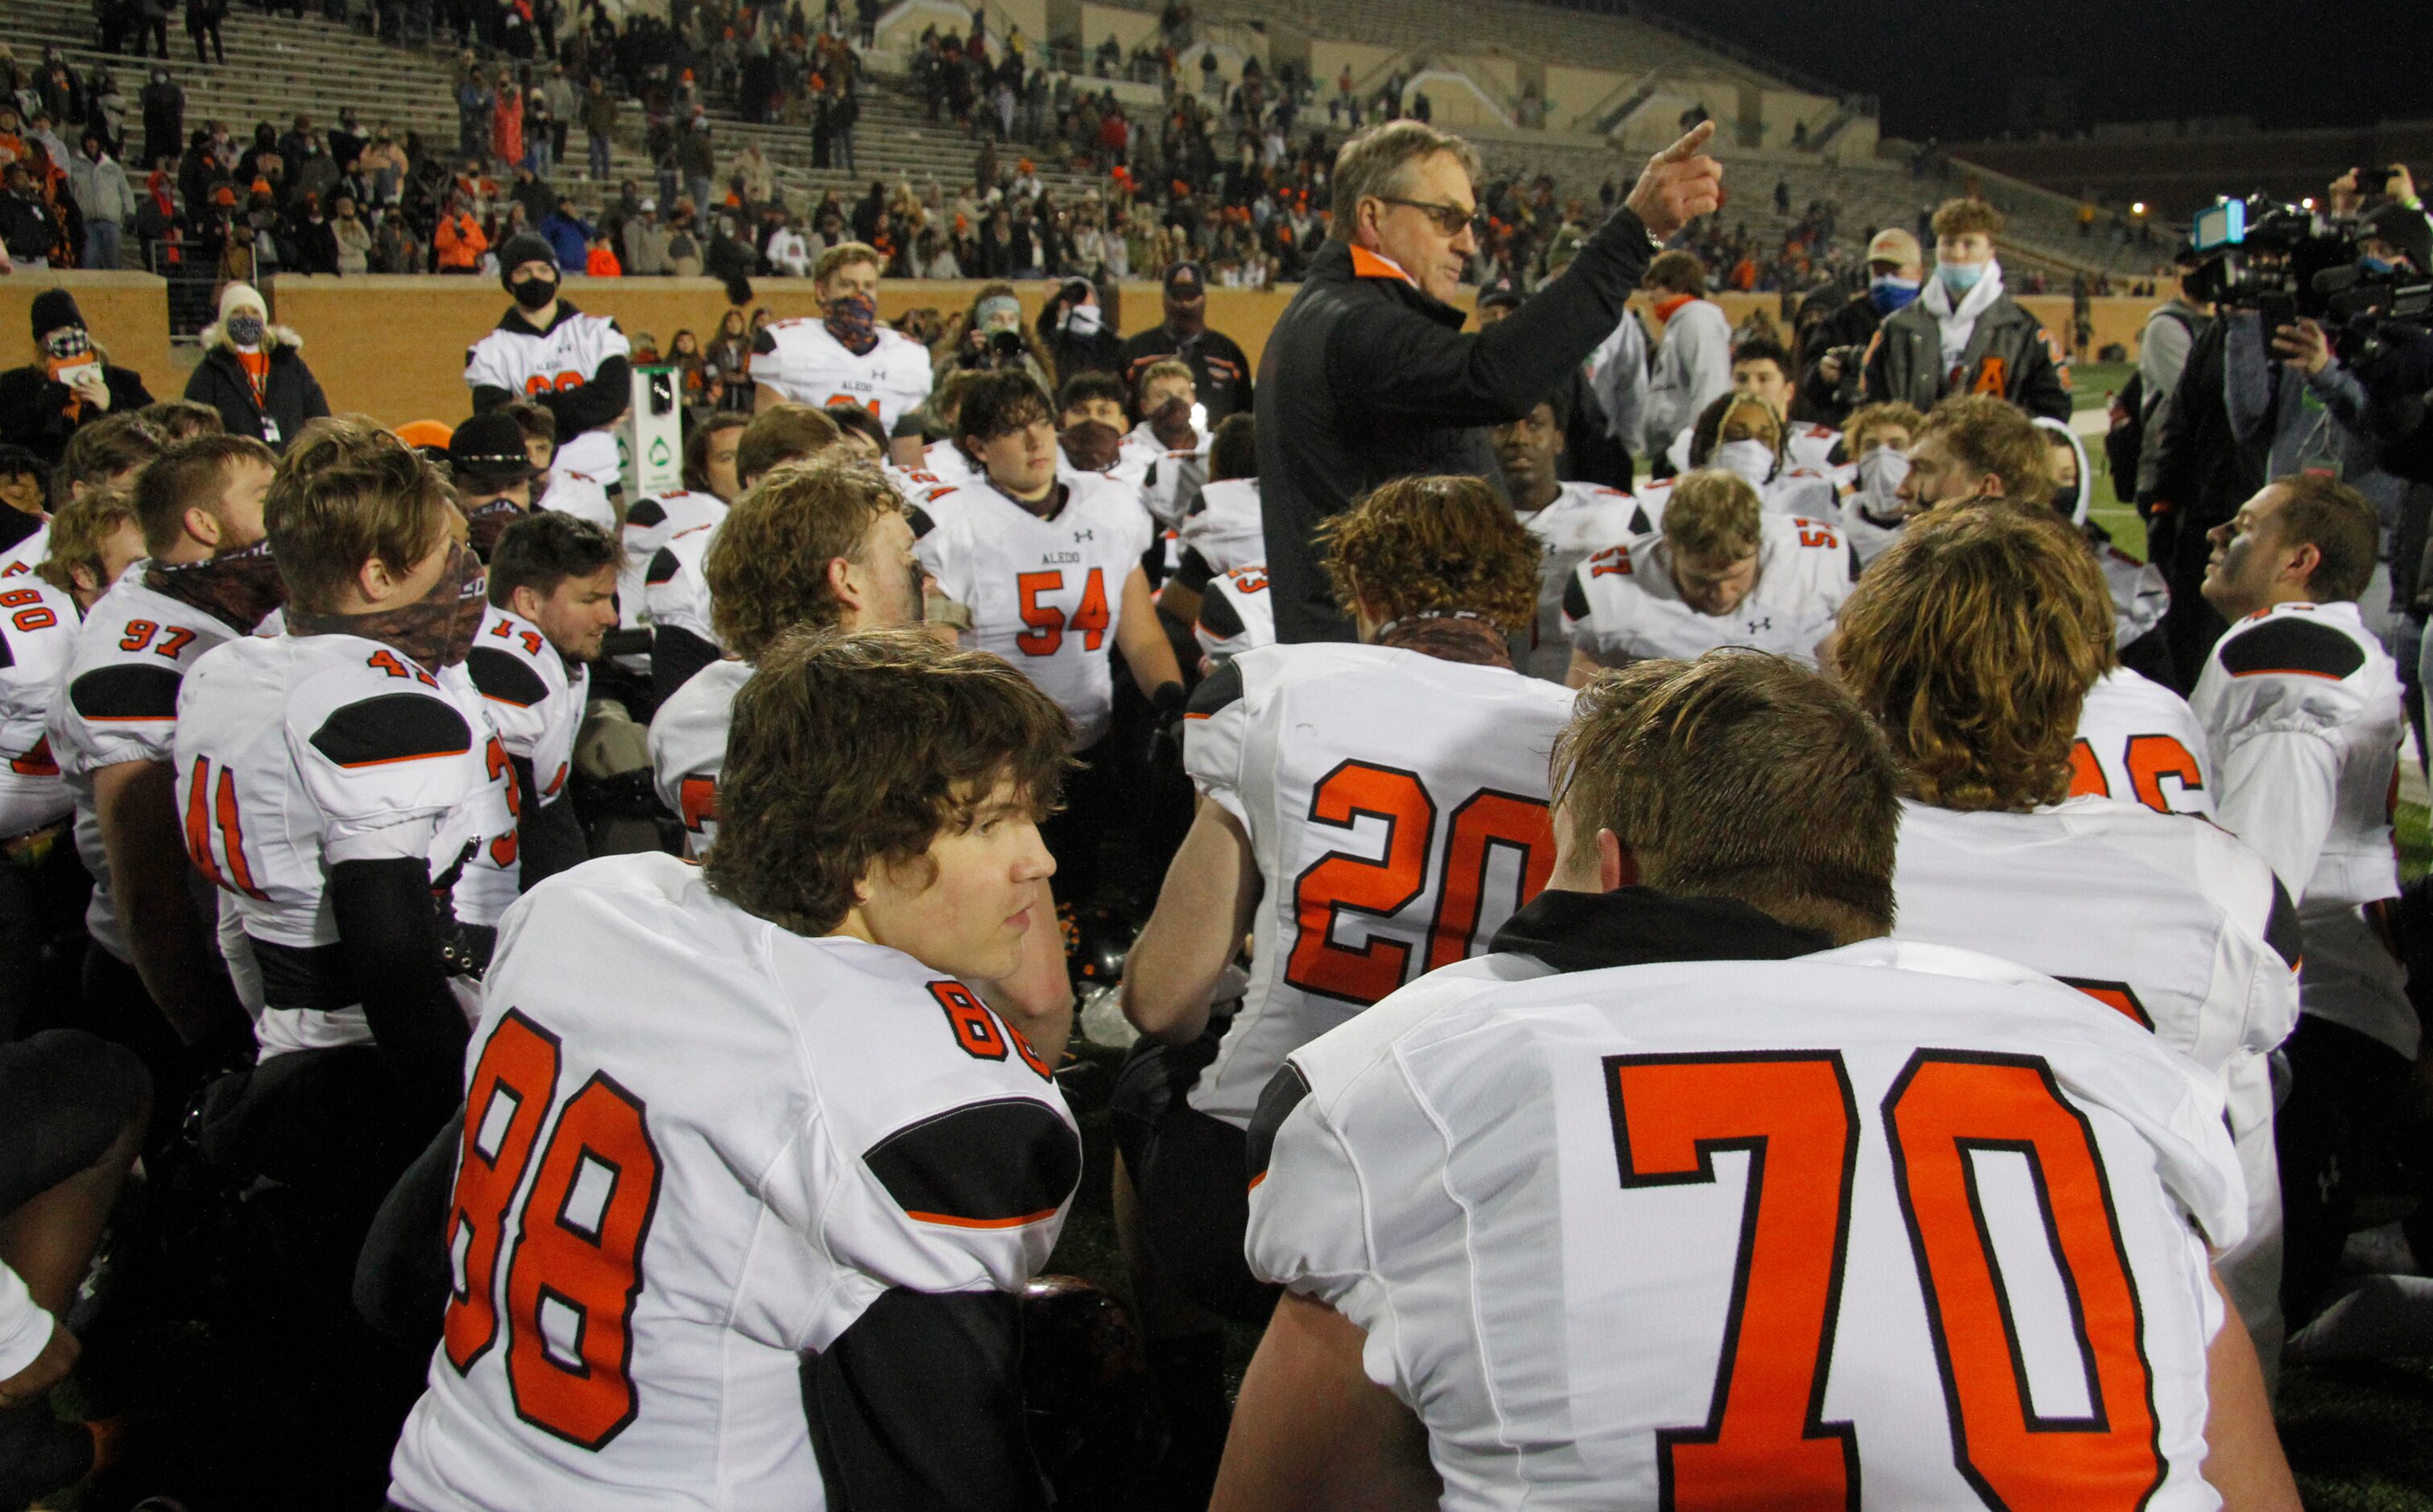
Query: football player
[(755, 1252), (1569, 520), (2301, 707), (1170, 438), (44, 891), (1721, 570), (1973, 642), (1366, 813), (1050, 569), (1222, 527), (210, 579), (343, 788), (577, 367), (1742, 433), (2139, 594), (109, 454), (1763, 367), (683, 638), (1878, 438), (493, 472), (844, 357), (823, 544), (1668, 1203), (1091, 431), (553, 591)]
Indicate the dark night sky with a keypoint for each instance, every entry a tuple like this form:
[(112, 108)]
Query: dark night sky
[(1946, 68)]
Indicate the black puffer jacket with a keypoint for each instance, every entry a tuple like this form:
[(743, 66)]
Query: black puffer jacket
[(1366, 377), (292, 395)]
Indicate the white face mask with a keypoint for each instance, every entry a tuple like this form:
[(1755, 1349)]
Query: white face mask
[(1082, 320), (1881, 473), (1752, 459)]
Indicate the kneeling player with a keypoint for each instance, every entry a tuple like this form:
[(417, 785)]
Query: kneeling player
[(763, 1251), (1973, 640), (1367, 813), (1720, 571), (553, 591), (1740, 1220)]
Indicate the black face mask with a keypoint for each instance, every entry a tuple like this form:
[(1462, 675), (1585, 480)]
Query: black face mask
[(532, 294)]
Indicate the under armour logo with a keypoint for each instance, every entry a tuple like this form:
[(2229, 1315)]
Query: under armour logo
[(1759, 626), (1080, 535)]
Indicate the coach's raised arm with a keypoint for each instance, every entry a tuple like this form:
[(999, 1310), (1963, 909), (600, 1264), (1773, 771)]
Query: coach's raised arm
[(1368, 375)]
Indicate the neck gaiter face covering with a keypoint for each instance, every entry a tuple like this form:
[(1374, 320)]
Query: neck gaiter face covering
[(237, 588), (434, 631), (852, 320), (486, 522), (1449, 634)]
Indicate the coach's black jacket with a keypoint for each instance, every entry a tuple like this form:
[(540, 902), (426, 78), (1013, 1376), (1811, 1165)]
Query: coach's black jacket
[(1366, 377)]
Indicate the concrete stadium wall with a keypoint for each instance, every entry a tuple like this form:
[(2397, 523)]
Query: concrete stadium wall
[(393, 348), (126, 313)]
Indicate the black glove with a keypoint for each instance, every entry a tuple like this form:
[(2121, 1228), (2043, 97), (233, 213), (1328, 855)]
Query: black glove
[(1165, 728)]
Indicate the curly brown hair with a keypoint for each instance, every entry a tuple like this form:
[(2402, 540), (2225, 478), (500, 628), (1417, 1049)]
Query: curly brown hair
[(1417, 544), (1974, 640), (1868, 417), (78, 530), (1738, 776), (768, 565), (1958, 217), (333, 507), (854, 750)]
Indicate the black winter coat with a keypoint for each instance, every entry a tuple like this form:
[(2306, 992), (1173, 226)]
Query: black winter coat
[(293, 395), (34, 409)]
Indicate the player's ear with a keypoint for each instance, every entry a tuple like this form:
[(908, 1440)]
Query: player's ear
[(840, 582), (1616, 867), (203, 525), (525, 601), (2304, 558)]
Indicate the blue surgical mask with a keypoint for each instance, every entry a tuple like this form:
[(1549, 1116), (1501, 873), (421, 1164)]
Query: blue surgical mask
[(1960, 277), (1891, 293)]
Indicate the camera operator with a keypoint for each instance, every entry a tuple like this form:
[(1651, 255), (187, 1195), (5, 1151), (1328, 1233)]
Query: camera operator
[(1829, 390)]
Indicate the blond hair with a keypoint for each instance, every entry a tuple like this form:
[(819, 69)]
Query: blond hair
[(1958, 217), (1714, 515), (767, 566)]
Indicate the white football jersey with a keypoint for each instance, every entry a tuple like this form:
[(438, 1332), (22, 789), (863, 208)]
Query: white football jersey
[(524, 362), (650, 525), (38, 636), (803, 362), (1044, 594), (1391, 843), (688, 748), (1236, 614), (2175, 926), (296, 753), (1811, 445), (26, 554), (2299, 705), (1585, 518), (118, 701), (534, 699), (2137, 739), (1809, 493), (656, 1218), (676, 596), (1890, 1225), (2140, 596), (1622, 604), (1164, 469), (1225, 529), (582, 494), (945, 460)]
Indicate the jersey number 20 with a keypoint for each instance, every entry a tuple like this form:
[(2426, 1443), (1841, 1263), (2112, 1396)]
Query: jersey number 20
[(1340, 881), (575, 1267), (1765, 1440)]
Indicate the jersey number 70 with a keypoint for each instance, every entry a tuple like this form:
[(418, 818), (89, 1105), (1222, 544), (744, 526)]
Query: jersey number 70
[(575, 1267), (1765, 1441)]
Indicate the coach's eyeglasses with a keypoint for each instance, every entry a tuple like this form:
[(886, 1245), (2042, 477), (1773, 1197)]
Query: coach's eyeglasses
[(1449, 219)]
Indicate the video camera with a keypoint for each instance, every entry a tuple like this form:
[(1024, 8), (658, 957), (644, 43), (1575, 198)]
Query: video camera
[(2287, 261)]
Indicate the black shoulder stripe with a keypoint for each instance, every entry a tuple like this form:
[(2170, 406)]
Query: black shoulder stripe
[(2281, 927), (126, 690), (922, 524), (995, 1164), (1639, 523), (7, 653), (662, 567), (1284, 1093), (648, 513), (1219, 687), (765, 342), (1857, 566), (393, 727), (1576, 598), (505, 677), (1218, 616), (2292, 643)]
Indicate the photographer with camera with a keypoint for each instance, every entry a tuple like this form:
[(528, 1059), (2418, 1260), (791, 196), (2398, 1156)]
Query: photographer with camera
[(1829, 390)]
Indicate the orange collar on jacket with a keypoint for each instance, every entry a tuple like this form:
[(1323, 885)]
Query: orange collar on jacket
[(1369, 264)]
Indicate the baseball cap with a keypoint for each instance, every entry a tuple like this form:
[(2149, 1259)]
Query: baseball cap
[(489, 447), (2406, 229), (1185, 281), (1504, 293), (1893, 245)]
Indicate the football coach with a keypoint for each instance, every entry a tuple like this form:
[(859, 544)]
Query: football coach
[(1369, 376)]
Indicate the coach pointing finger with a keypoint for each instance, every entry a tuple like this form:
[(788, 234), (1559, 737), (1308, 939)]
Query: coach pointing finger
[(1369, 376)]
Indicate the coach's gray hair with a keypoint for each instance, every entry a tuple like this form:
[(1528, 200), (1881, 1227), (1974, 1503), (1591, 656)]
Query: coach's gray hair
[(1377, 162)]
